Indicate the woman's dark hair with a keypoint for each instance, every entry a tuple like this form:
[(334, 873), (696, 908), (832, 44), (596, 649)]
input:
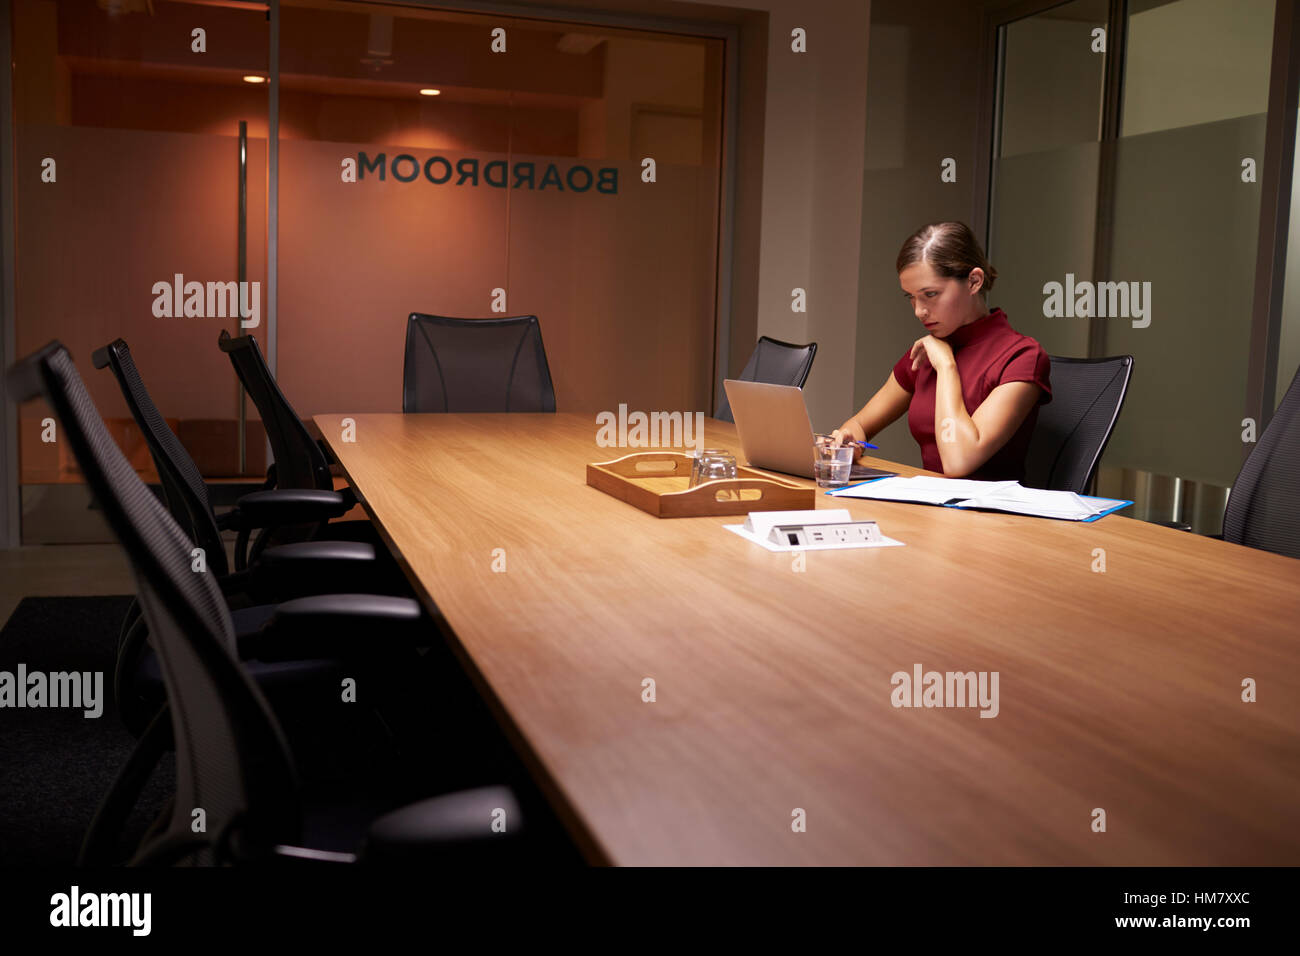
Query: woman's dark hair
[(951, 250)]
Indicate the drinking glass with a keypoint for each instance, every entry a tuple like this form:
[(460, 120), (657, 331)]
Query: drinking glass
[(832, 463), (712, 464)]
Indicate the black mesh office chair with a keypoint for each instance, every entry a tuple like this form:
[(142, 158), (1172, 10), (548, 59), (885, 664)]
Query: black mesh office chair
[(301, 472), (475, 365), (776, 363), (1263, 509), (232, 757), (281, 573), (310, 567), (1075, 426)]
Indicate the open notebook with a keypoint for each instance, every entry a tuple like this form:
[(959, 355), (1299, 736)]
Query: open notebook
[(1008, 496)]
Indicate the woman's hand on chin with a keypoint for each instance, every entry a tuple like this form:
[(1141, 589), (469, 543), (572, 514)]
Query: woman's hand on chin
[(936, 352)]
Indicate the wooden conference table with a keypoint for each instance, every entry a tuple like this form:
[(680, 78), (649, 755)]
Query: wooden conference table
[(1119, 690)]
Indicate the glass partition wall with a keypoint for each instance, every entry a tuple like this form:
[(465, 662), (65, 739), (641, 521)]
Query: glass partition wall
[(128, 163), (1157, 196), (428, 161), (1046, 165), (1186, 131), (502, 166)]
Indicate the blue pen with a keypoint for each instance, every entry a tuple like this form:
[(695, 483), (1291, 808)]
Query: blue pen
[(851, 441)]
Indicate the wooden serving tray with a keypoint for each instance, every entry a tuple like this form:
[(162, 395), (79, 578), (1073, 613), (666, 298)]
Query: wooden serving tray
[(659, 482)]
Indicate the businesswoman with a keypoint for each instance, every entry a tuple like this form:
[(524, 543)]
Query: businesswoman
[(971, 386)]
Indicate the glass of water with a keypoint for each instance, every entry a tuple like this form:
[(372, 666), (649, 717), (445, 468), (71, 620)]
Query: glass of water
[(712, 464), (831, 463)]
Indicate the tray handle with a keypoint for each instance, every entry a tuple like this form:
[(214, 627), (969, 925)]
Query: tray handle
[(714, 490), (662, 464)]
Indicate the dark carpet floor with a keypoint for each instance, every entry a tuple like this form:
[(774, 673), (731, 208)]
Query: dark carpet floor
[(56, 764)]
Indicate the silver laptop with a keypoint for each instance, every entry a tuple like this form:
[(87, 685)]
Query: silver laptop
[(775, 431)]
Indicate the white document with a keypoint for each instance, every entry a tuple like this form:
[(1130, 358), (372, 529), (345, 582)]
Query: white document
[(922, 489), (1008, 496), (1040, 503)]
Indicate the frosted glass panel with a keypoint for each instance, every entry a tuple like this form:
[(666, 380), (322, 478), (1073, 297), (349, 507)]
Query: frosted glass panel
[(126, 157), (621, 282), (521, 187), (1043, 219), (1052, 79), (1183, 219), (1186, 220), (1188, 225), (1195, 61), (1044, 223), (127, 212)]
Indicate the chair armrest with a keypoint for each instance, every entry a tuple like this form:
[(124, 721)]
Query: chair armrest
[(99, 358), (286, 506), (309, 567), (283, 853), (318, 554), (468, 824), (337, 625)]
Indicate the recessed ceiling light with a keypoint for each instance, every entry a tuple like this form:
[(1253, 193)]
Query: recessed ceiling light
[(254, 79), (430, 92)]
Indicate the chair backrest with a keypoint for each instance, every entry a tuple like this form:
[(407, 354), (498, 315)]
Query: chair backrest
[(187, 493), (1263, 509), (231, 757), (1074, 427), (775, 363), (299, 461), (475, 365)]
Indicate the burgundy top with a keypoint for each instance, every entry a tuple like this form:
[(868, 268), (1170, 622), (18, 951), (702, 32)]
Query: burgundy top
[(989, 353)]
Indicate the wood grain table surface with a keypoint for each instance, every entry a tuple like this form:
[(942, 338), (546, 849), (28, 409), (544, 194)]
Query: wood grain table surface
[(774, 737)]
